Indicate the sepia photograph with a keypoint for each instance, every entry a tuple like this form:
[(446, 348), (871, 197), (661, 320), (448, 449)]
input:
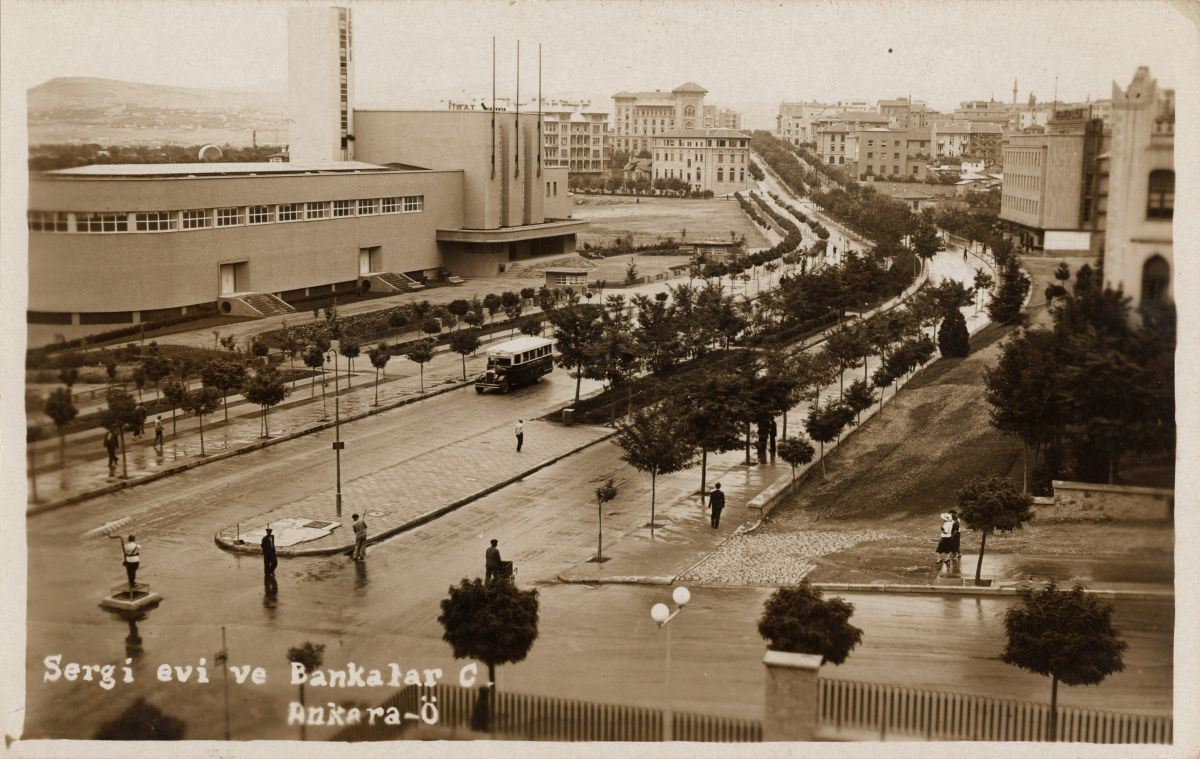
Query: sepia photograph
[(626, 378)]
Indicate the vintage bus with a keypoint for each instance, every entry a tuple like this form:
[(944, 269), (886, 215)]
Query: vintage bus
[(516, 362)]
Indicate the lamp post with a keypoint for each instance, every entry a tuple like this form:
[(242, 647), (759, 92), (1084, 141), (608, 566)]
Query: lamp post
[(338, 445), (661, 614)]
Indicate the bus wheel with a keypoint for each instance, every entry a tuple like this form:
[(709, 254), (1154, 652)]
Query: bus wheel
[(504, 388)]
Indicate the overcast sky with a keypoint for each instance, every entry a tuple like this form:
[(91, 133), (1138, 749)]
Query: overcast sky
[(749, 55)]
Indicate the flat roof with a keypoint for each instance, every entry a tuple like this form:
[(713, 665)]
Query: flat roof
[(565, 270), (519, 345), (704, 133), (209, 169)]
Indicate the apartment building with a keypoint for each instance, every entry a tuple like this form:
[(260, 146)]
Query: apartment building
[(716, 117), (880, 152), (640, 116), (575, 140), (707, 159)]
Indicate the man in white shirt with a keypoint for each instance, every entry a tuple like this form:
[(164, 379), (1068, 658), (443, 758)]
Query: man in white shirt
[(133, 559), (520, 432)]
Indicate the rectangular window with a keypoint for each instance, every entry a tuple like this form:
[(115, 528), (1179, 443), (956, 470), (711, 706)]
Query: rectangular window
[(154, 221), (291, 211), (366, 207), (343, 208), (197, 218), (259, 215), (1161, 203), (102, 222), (47, 221), (228, 217), (896, 156), (870, 143), (317, 210), (414, 203)]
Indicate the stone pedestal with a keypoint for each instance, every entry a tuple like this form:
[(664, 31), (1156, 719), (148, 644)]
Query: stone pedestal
[(791, 696), (126, 599)]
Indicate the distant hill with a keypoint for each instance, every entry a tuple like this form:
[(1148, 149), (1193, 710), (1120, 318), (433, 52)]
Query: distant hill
[(114, 112)]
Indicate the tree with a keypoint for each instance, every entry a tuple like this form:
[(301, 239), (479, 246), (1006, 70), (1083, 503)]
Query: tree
[(120, 415), (309, 656), (266, 389), (155, 368), (1005, 306), (142, 721), (492, 303), (531, 325), (655, 443), (796, 451), (200, 403), (494, 622), (68, 367), (954, 341), (845, 348), (577, 330), (379, 356), (711, 413), (925, 241), (983, 282), (314, 358), (351, 350), (825, 424), (422, 353), (459, 307), (604, 494), (881, 378), (462, 343), (226, 375), (1023, 390), (800, 620), (60, 407), (1067, 635), (859, 398), (174, 392), (991, 503)]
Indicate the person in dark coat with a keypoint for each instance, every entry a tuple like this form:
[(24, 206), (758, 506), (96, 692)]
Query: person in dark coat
[(110, 444), (268, 550), (494, 566), (716, 502), (955, 537), (774, 431)]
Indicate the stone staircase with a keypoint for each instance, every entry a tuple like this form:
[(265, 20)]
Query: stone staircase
[(255, 305), (391, 281)]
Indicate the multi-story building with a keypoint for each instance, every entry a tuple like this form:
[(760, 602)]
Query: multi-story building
[(575, 140), (984, 143), (1138, 245), (991, 111), (707, 159), (831, 144), (951, 138), (639, 116), (431, 192), (794, 123), (879, 152), (1052, 192), (716, 117)]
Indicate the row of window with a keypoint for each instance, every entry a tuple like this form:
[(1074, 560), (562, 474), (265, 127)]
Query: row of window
[(670, 173), (699, 157), (204, 218)]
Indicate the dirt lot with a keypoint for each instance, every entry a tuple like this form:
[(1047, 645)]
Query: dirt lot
[(649, 219), (894, 477)]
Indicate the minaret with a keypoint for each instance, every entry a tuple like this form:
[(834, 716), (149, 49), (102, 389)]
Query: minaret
[(1014, 91), (320, 84)]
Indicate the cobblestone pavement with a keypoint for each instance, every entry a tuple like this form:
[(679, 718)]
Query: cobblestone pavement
[(425, 482), (773, 558)]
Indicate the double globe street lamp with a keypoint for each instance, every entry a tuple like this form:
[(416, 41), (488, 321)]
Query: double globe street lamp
[(663, 615)]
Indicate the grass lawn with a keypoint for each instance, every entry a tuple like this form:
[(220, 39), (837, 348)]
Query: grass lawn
[(648, 219)]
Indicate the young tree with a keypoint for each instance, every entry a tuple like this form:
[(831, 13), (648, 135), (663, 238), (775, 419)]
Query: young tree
[(881, 378), (991, 503), (142, 721), (954, 341), (983, 283), (60, 407), (200, 403), (308, 656), (351, 350), (462, 343), (655, 443), (845, 348), (825, 424), (139, 380), (459, 307), (379, 355), (711, 414), (859, 398), (531, 325), (259, 349), (266, 389), (1067, 635), (120, 415), (492, 303), (68, 367), (604, 494), (421, 353), (493, 622), (174, 392), (155, 368), (226, 375), (314, 358), (796, 452), (800, 620)]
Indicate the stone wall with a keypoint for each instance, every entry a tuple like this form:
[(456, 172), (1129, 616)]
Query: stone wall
[(1091, 501)]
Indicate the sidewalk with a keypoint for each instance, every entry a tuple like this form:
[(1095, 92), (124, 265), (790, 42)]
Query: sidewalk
[(414, 490)]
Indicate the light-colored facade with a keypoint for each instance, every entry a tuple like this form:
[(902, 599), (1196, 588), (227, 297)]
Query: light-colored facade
[(951, 138), (462, 192), (320, 84), (716, 117), (794, 122), (832, 144), (990, 111), (707, 159), (1138, 250), (879, 152), (576, 141), (640, 116)]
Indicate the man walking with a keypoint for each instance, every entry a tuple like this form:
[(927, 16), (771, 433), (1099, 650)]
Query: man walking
[(360, 539), (520, 432), (716, 502), (110, 445), (268, 549), (141, 412), (774, 431), (158, 434)]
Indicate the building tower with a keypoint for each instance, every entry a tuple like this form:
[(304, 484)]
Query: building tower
[(1014, 91), (689, 105), (320, 84)]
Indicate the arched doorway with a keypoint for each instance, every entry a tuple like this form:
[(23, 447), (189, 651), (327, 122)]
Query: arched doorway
[(1156, 281)]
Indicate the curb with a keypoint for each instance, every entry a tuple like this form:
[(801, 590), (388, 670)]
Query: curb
[(176, 469), (425, 518), (892, 588)]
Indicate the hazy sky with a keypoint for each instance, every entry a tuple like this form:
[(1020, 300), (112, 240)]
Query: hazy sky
[(749, 55)]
